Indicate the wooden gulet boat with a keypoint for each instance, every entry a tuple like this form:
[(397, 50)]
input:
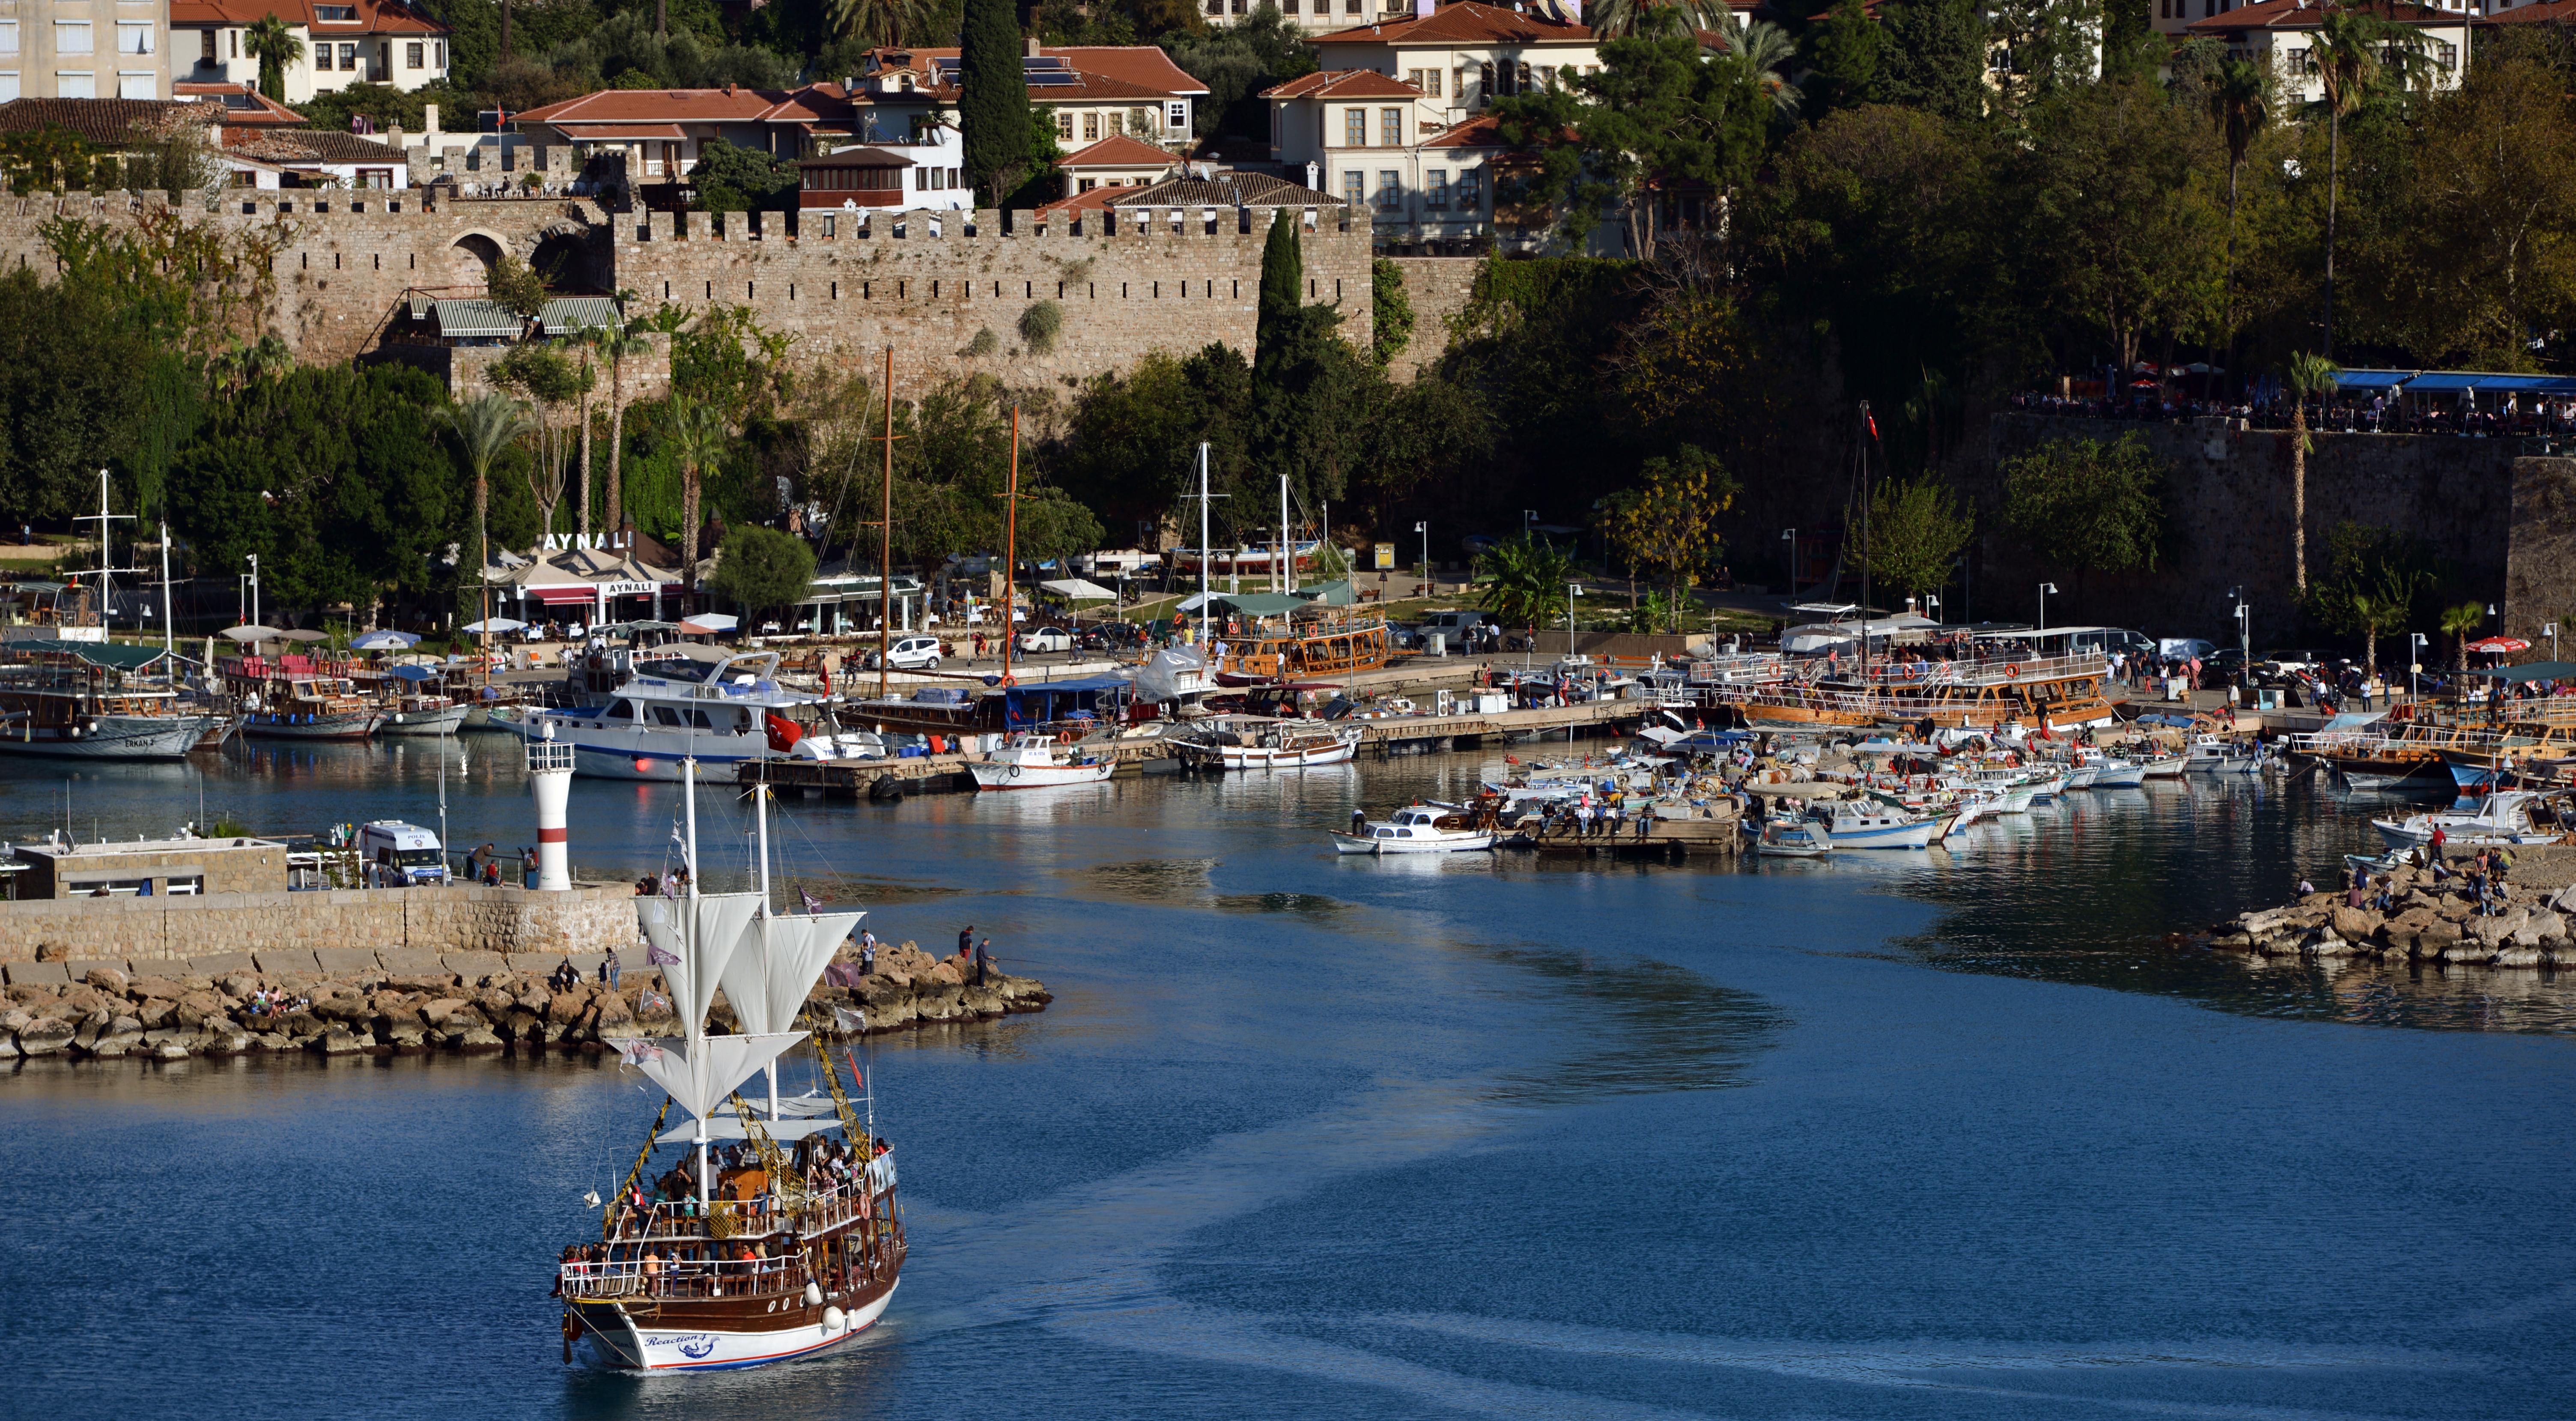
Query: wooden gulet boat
[(793, 1241)]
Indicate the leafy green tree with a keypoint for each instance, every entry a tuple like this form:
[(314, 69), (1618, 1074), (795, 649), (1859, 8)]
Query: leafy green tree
[(2357, 56), (549, 382), (1666, 524), (42, 157), (1659, 114), (1236, 63), (2309, 377), (1525, 580), (2088, 505), (2048, 47), (1131, 447), (618, 344), (762, 569), (1917, 529), (733, 179), (1391, 320), (1283, 281), (2374, 580), (2241, 103), (516, 288), (333, 475), (1934, 58), (1842, 58), (993, 110), (890, 24), (272, 42), (75, 369)]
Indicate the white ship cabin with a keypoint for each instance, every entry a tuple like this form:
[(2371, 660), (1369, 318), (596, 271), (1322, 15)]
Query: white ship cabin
[(703, 688)]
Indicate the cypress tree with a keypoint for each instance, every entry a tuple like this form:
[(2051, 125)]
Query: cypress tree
[(993, 112), (1842, 58), (1283, 283)]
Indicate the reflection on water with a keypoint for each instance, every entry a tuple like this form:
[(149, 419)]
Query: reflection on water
[(1650, 1026)]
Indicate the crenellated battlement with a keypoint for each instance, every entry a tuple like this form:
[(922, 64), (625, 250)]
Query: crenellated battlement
[(952, 290)]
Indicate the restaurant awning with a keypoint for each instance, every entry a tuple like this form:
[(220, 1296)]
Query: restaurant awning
[(1075, 589), (477, 319)]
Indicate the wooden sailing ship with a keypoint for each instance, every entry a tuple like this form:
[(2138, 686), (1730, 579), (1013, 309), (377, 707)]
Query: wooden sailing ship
[(1331, 644), (777, 1233)]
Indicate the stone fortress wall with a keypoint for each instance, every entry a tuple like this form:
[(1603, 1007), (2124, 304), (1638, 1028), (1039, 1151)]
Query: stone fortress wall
[(847, 284)]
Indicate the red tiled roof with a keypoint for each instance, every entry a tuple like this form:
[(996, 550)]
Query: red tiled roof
[(619, 132), (1142, 72), (1143, 65), (1464, 23), (2307, 15), (661, 106), (375, 17), (1482, 131), (1342, 84), (1118, 151), (243, 105), (1096, 200)]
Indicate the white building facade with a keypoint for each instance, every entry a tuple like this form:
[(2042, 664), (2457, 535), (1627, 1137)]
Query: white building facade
[(84, 49)]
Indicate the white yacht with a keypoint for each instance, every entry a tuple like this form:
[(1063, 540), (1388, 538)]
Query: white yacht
[(2509, 816), (1431, 828), (1035, 761), (1857, 824), (712, 704)]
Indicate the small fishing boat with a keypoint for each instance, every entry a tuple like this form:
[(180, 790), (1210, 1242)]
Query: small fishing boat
[(1424, 828), (1035, 761), (1246, 743), (314, 707), (1795, 839), (2116, 773), (1853, 824), (2168, 767), (2219, 755)]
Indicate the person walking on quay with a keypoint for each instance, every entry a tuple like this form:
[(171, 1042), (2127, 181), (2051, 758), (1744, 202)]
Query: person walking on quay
[(610, 969)]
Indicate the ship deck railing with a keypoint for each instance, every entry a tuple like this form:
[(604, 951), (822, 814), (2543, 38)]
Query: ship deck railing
[(684, 1278), (686, 1222)]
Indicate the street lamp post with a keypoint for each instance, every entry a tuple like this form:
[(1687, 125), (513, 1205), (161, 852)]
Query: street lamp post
[(1529, 516), (1425, 530), (254, 589), (1572, 591), (2415, 644), (2044, 589), (1790, 536), (1932, 604)]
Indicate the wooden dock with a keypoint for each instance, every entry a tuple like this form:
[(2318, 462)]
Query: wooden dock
[(1651, 838), (1469, 727)]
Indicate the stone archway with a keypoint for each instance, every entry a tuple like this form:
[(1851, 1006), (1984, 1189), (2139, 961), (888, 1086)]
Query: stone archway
[(470, 259)]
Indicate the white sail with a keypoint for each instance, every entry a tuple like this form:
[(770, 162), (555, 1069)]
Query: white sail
[(701, 1073), (780, 960), (696, 957)]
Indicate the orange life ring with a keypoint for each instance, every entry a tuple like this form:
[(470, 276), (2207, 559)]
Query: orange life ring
[(1064, 737), (2011, 669)]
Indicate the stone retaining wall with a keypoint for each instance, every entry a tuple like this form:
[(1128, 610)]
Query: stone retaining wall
[(363, 922)]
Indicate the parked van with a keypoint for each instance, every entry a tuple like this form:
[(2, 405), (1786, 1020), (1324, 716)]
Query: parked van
[(400, 855)]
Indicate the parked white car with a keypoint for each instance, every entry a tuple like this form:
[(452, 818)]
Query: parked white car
[(1046, 639), (912, 653)]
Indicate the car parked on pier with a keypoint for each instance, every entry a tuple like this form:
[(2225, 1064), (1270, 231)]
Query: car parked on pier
[(912, 653), (1039, 639)]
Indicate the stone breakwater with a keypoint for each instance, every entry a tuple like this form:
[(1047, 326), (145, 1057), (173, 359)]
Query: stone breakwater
[(2426, 921), (398, 1003)]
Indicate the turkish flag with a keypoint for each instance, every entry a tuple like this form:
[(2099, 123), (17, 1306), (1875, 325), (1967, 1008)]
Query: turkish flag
[(783, 733)]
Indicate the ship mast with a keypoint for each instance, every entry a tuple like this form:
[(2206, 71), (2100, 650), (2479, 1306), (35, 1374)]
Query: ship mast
[(696, 1030)]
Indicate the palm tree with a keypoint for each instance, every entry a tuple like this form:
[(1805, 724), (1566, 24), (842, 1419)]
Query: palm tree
[(2242, 109), (2354, 53), (1619, 19), (484, 427), (275, 46), (2310, 376), (699, 440), (1525, 580), (2461, 622), (887, 23), (1765, 50), (619, 344), (588, 339)]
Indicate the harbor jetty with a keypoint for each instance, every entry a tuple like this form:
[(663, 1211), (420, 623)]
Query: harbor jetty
[(349, 1002), (2429, 918)]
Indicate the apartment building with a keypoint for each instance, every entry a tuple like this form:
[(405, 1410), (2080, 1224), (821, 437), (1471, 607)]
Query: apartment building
[(349, 42), (1462, 55), (2283, 33), (84, 49)]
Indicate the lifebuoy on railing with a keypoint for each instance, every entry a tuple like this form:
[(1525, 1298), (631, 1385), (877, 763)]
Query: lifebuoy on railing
[(2010, 669)]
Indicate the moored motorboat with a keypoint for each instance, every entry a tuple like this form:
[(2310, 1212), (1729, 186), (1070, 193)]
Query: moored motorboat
[(2505, 817), (1419, 828), (1252, 743), (1791, 838), (1852, 824), (1037, 761)]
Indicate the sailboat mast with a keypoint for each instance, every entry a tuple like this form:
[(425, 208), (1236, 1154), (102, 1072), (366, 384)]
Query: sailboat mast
[(1203, 530), (694, 1030), (1287, 581), (885, 545), (760, 821), (169, 644), (1011, 551)]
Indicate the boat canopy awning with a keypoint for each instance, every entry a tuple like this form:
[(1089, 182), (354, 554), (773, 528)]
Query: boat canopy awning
[(1076, 589), (1048, 701), (1260, 604), (2534, 671), (115, 656), (729, 1127), (2372, 380)]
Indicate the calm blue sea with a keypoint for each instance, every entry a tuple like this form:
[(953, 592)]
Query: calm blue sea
[(1912, 1136)]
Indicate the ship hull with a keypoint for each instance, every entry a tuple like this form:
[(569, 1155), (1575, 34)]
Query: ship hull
[(291, 725), (432, 722), (117, 738), (706, 1339)]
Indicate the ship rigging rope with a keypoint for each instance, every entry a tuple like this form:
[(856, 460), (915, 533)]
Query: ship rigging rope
[(784, 1181), (608, 1212)]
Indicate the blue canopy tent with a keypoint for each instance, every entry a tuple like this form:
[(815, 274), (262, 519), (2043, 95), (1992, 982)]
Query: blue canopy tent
[(1092, 699)]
